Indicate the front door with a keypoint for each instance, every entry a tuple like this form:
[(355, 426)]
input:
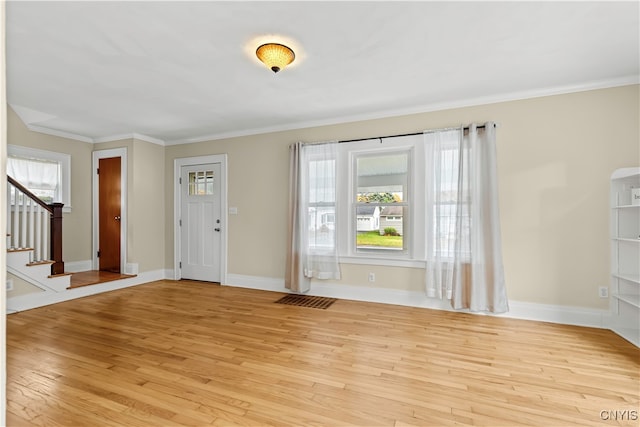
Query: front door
[(200, 221), (109, 214)]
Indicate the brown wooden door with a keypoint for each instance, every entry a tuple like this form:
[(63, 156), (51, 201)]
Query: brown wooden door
[(109, 214)]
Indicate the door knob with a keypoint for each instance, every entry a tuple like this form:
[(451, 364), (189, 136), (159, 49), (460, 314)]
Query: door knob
[(117, 218)]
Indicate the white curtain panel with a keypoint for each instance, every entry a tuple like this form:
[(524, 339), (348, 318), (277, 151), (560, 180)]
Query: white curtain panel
[(312, 251), (464, 250), (442, 149), (38, 174), (294, 279)]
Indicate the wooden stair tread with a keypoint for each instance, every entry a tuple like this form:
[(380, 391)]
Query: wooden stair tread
[(33, 264), (95, 277), (19, 249), (53, 276)]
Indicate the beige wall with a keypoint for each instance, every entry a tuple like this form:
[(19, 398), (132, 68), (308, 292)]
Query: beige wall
[(145, 202), (76, 235), (21, 287), (555, 157), (146, 206)]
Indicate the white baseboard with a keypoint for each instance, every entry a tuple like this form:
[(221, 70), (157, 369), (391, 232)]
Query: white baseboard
[(40, 299), (131, 268), (77, 266), (567, 315)]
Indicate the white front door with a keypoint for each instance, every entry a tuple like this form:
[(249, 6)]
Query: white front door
[(201, 222)]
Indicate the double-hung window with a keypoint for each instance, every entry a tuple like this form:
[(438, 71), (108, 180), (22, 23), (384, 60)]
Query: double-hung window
[(321, 204), (381, 202), (450, 208), (46, 174)]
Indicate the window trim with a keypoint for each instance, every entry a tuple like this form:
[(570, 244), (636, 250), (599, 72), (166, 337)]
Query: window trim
[(65, 167), (416, 238)]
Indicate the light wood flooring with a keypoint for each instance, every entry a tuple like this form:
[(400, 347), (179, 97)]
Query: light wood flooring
[(189, 353)]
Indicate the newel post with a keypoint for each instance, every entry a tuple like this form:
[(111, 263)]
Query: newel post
[(56, 239)]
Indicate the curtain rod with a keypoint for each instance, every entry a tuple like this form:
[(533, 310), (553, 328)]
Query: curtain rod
[(411, 134)]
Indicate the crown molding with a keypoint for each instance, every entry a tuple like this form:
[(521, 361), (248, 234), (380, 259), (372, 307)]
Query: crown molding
[(425, 108), (138, 136), (55, 132), (89, 140)]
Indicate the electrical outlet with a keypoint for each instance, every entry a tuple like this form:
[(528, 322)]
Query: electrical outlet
[(603, 292), (372, 277), (9, 284)]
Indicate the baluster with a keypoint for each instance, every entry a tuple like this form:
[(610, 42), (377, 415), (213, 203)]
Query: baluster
[(32, 228), (23, 221), (38, 233), (10, 239), (45, 234), (15, 231)]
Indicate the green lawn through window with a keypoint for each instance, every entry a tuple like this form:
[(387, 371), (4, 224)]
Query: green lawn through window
[(373, 238)]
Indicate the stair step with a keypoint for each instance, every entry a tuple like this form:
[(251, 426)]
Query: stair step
[(34, 263), (53, 276), (19, 249)]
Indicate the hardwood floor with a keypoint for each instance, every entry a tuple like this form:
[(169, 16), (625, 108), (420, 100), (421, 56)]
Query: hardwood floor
[(190, 353), (93, 277)]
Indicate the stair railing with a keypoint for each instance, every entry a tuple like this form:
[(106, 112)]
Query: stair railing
[(34, 224)]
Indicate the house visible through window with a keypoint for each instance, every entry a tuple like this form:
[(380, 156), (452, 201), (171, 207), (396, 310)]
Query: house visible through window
[(365, 200), (381, 201), (45, 173)]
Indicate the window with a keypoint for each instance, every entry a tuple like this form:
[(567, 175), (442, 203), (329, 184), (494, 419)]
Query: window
[(446, 203), (322, 204), (380, 212), (381, 181), (45, 173), (201, 183)]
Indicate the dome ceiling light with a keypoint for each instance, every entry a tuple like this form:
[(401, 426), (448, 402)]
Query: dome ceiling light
[(276, 56)]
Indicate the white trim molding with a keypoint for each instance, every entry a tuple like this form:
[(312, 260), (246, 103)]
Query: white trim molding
[(177, 250), (567, 315), (419, 109), (78, 266), (105, 154), (40, 299), (137, 136)]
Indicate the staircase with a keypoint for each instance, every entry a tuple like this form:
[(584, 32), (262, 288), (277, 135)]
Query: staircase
[(34, 239), (37, 273)]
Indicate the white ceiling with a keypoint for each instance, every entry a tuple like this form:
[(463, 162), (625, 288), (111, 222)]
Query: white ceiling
[(175, 72)]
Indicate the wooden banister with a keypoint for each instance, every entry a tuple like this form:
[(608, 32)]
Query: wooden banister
[(29, 194), (56, 239), (55, 225)]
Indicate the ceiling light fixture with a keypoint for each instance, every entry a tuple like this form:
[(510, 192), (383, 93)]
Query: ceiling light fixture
[(276, 56)]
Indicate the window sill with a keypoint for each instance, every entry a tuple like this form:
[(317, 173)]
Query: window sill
[(389, 262)]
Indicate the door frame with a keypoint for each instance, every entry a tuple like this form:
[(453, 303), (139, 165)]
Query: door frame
[(177, 207), (105, 154)]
